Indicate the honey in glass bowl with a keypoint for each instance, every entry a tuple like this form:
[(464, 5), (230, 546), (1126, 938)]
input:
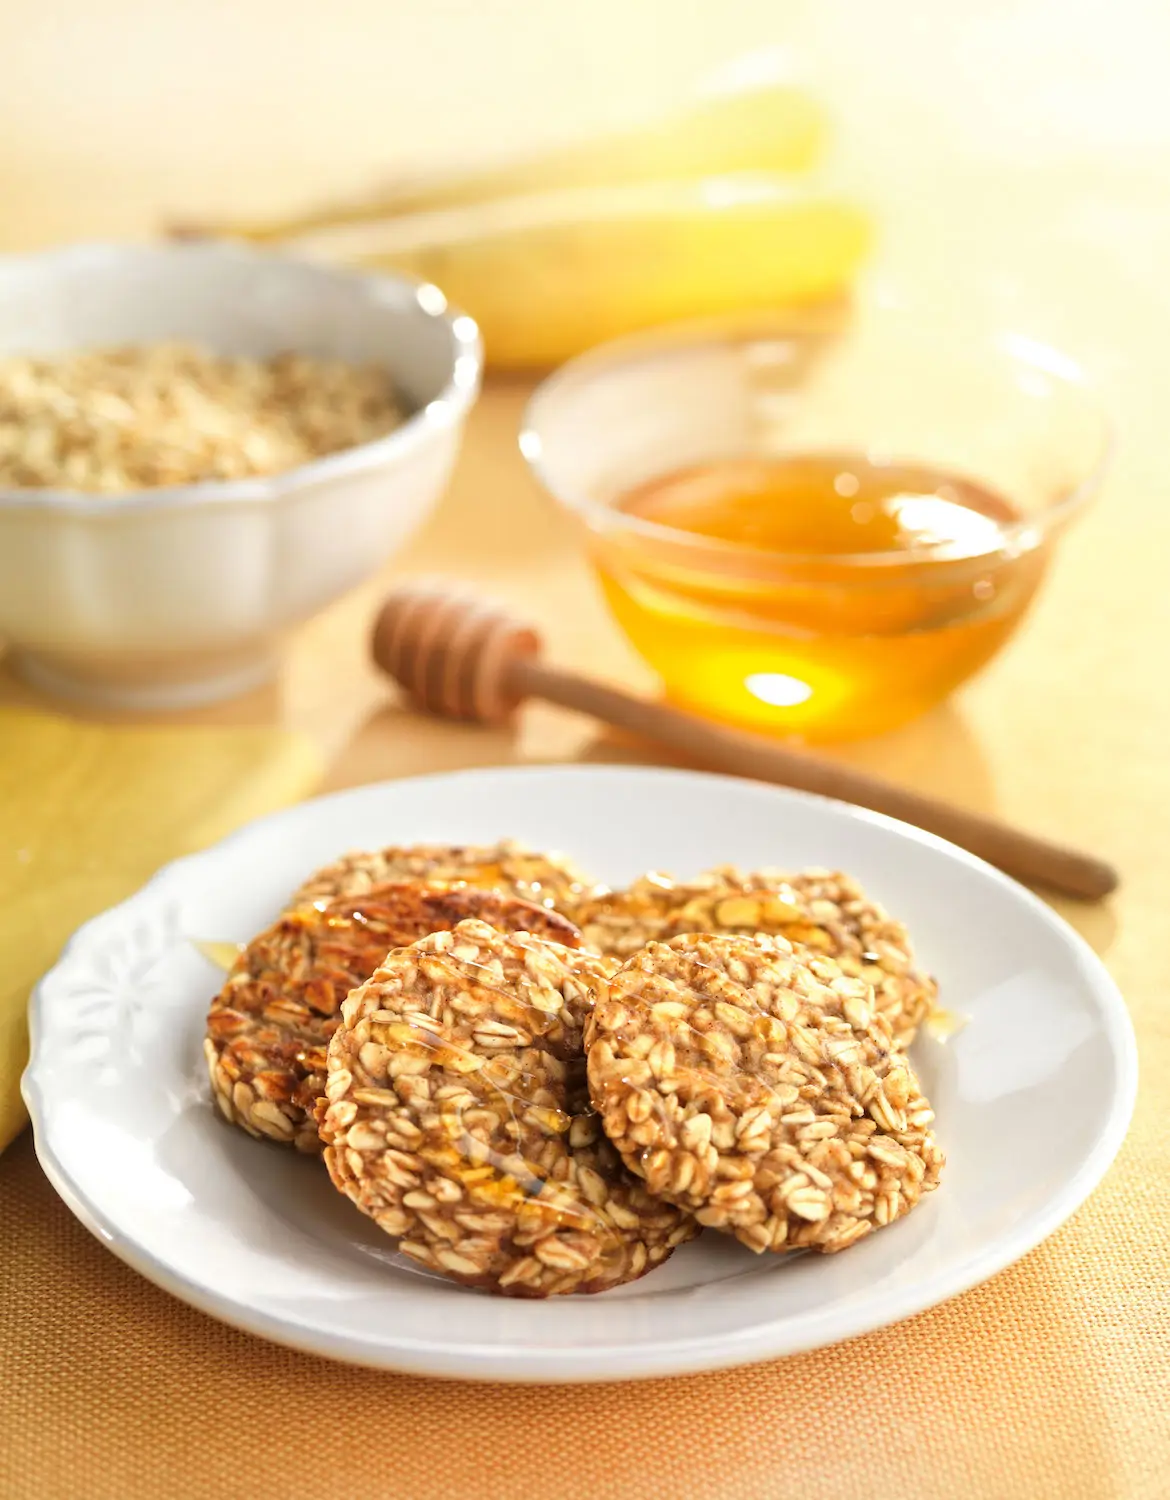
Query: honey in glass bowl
[(865, 593), (816, 523)]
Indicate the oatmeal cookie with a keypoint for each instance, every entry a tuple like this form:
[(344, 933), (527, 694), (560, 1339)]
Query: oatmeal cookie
[(824, 910), (268, 1027), (456, 1116), (544, 879), (757, 1085)]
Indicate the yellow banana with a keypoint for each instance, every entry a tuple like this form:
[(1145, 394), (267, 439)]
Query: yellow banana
[(770, 127), (548, 277)]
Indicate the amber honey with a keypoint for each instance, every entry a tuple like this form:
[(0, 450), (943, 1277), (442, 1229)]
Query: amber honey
[(818, 596)]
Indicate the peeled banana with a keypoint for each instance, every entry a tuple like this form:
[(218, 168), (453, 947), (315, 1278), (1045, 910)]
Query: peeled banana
[(769, 127), (695, 214), (547, 277)]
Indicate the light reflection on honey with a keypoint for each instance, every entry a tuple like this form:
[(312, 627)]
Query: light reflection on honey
[(854, 596)]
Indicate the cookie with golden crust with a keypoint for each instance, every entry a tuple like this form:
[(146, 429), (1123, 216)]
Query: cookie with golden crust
[(544, 879), (456, 1117), (269, 1026), (825, 910), (757, 1086)]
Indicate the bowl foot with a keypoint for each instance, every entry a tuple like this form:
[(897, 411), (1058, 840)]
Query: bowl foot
[(143, 683)]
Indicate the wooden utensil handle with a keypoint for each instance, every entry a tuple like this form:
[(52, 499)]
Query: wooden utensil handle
[(1020, 854)]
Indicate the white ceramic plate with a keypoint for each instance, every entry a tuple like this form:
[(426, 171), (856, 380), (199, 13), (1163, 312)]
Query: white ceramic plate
[(1032, 1098)]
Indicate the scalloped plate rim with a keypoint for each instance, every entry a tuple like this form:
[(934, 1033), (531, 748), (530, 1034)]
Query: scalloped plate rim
[(501, 1361)]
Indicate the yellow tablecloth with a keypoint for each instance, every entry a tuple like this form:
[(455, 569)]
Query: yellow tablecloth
[(1049, 1383), (88, 812)]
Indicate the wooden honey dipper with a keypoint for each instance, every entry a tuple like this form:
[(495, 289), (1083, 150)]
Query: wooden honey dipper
[(462, 658)]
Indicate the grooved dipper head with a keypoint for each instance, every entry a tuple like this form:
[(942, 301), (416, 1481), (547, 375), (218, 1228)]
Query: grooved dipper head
[(452, 654)]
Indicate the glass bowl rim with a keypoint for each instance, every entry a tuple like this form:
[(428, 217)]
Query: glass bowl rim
[(1016, 348)]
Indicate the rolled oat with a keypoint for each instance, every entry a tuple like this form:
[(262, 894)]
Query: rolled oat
[(114, 420)]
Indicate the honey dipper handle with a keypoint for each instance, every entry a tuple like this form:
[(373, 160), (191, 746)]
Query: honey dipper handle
[(1031, 859)]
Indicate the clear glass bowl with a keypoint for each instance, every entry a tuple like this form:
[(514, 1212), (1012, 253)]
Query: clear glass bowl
[(808, 645)]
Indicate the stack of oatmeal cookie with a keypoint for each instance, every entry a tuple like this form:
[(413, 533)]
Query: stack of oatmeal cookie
[(540, 1086)]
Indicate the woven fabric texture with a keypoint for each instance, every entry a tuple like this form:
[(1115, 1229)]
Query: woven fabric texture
[(1049, 1381)]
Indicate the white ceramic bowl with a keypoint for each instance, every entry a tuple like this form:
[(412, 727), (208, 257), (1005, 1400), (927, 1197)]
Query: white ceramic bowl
[(172, 597)]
